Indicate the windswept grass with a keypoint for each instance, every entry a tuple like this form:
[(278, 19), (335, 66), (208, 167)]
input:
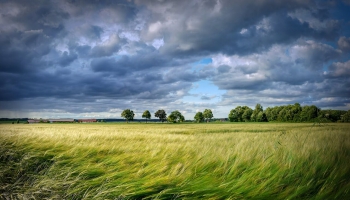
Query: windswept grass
[(175, 161)]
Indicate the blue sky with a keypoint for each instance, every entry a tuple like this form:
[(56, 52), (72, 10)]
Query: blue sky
[(93, 59)]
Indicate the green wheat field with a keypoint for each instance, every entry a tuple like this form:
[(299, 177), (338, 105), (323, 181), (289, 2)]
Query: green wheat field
[(175, 161)]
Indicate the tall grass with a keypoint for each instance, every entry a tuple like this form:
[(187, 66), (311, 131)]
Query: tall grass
[(175, 161)]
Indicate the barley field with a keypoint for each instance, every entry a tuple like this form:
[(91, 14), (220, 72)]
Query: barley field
[(175, 161)]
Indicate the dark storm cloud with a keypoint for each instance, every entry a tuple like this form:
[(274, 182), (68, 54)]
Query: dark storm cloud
[(230, 27), (93, 56), (108, 65)]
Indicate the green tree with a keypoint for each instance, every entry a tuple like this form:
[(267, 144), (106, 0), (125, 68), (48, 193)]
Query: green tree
[(233, 115), (296, 110), (247, 113), (270, 114), (345, 117), (309, 113), (128, 115), (207, 114), (332, 115), (176, 116), (261, 117), (199, 117), (240, 114), (146, 115), (161, 114), (254, 116)]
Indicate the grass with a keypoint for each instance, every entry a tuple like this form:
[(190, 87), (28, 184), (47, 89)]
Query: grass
[(175, 161)]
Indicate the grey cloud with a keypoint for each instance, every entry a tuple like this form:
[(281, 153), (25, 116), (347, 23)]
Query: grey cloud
[(190, 35), (339, 69), (107, 48), (92, 31), (223, 69), (108, 65), (23, 60), (205, 98), (98, 56), (344, 43), (67, 59)]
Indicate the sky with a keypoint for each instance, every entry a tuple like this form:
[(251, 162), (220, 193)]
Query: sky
[(94, 58)]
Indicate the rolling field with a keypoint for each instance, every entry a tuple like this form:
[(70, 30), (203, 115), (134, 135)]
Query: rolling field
[(175, 161)]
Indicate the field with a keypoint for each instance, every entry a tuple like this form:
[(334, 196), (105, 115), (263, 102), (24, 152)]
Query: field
[(175, 161)]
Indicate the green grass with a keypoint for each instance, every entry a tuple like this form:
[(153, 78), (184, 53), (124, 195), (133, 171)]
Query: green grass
[(175, 161)]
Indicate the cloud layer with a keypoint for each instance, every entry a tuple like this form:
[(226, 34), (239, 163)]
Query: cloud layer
[(94, 59)]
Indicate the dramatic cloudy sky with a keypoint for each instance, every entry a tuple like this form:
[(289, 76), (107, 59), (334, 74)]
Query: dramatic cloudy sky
[(90, 58)]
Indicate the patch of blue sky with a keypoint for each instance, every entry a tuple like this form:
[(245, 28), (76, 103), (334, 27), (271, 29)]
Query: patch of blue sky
[(204, 91), (201, 63), (204, 61)]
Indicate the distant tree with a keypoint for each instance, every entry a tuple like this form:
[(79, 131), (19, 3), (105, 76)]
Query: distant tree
[(176, 116), (199, 117), (309, 113), (182, 118), (128, 115), (296, 110), (146, 115), (270, 114), (345, 117), (240, 114), (247, 113), (261, 117), (17, 121), (161, 114), (207, 114), (234, 114), (332, 115), (257, 110)]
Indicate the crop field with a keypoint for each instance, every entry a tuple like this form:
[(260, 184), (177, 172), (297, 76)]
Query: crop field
[(175, 161)]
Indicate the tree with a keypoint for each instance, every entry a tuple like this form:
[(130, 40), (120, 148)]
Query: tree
[(345, 117), (161, 114), (246, 114), (207, 114), (254, 116), (233, 116), (128, 115), (261, 117), (309, 113), (199, 117), (296, 110), (332, 115), (176, 116), (240, 114), (146, 115)]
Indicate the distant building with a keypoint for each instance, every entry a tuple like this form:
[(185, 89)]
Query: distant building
[(32, 121), (61, 120), (87, 120)]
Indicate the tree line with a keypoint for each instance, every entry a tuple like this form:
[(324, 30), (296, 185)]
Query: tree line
[(285, 113), (174, 117)]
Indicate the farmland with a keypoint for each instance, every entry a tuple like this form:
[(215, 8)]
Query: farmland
[(175, 161)]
